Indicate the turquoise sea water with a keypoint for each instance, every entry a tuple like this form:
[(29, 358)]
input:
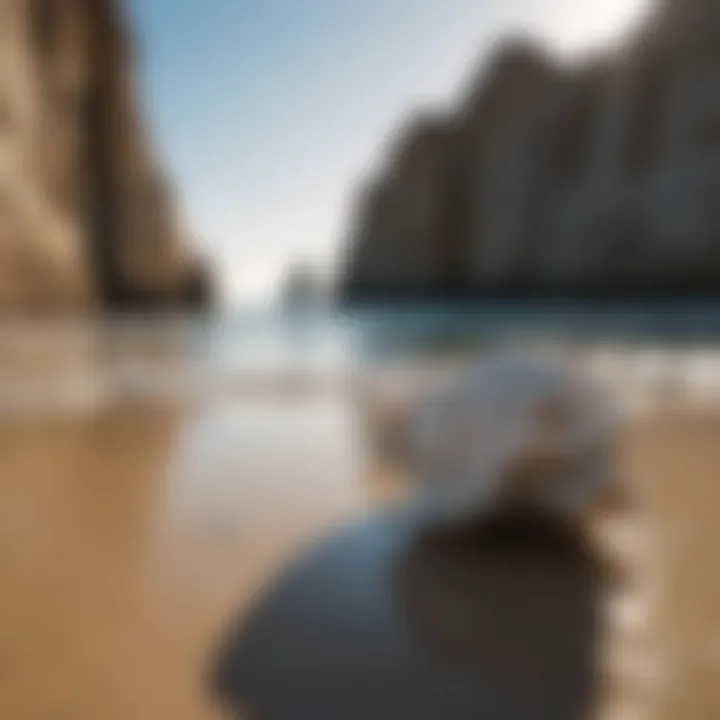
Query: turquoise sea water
[(408, 332)]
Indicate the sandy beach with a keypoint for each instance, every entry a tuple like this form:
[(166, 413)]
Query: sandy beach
[(243, 244), (131, 536)]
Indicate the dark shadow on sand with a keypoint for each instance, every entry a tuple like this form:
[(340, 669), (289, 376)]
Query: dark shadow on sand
[(497, 621)]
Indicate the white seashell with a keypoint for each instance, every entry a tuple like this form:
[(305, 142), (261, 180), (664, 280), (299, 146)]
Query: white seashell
[(513, 428)]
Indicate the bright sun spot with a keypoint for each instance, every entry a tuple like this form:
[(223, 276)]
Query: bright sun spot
[(591, 23)]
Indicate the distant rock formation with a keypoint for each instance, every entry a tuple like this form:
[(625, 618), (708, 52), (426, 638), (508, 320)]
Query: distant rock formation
[(304, 288), (548, 181), (86, 218)]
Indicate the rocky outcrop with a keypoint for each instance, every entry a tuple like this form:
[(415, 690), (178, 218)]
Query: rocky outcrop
[(552, 181), (86, 219)]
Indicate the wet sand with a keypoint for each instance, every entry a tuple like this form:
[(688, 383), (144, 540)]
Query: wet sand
[(131, 537), (673, 462)]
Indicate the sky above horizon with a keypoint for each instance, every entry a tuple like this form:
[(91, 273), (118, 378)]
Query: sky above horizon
[(267, 113)]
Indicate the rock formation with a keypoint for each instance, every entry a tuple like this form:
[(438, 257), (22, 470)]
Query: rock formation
[(86, 218), (549, 181)]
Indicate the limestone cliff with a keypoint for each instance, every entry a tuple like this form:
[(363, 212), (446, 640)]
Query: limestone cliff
[(553, 181), (86, 217)]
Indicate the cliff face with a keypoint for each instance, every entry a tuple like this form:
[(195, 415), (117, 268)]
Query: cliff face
[(86, 218), (548, 181)]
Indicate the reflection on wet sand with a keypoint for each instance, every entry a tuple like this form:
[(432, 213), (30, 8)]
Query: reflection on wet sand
[(127, 538)]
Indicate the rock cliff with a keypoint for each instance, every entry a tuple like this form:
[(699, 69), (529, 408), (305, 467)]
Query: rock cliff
[(86, 218), (598, 180)]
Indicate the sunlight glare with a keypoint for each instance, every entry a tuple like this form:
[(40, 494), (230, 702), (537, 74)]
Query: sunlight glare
[(590, 24)]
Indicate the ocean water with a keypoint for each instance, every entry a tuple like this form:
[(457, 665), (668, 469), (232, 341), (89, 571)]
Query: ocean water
[(251, 351), (365, 334)]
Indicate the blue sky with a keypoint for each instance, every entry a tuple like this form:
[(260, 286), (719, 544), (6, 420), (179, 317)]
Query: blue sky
[(267, 112)]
